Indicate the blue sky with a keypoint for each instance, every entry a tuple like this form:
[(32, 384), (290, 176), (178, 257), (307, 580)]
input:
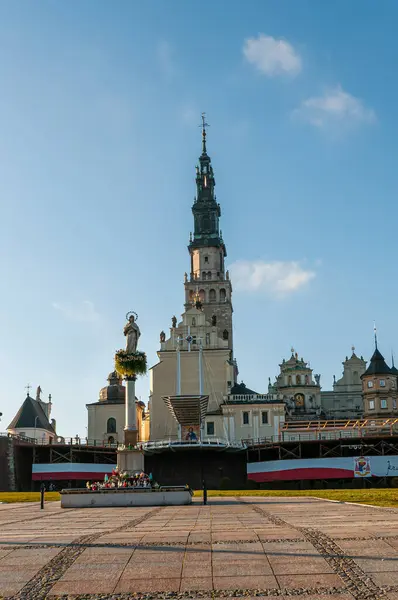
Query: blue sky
[(99, 108)]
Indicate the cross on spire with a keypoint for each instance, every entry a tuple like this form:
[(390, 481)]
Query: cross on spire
[(203, 125), (27, 388)]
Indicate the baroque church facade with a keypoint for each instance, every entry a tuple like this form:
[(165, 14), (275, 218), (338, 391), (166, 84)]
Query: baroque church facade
[(196, 356), (234, 411)]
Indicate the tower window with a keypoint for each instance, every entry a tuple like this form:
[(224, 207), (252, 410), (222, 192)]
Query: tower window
[(222, 295), (225, 334), (204, 275), (208, 274), (206, 259), (111, 425)]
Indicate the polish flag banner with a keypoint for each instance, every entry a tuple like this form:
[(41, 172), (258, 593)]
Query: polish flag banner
[(346, 467)]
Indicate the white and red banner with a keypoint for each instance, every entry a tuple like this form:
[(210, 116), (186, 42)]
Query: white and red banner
[(323, 468), (59, 471)]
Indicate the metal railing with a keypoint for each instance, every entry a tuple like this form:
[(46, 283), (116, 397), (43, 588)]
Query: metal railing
[(62, 441), (206, 442)]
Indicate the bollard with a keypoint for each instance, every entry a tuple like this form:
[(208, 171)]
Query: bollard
[(42, 489), (204, 493)]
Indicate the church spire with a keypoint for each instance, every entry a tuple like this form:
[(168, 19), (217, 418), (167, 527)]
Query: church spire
[(205, 210), (203, 126)]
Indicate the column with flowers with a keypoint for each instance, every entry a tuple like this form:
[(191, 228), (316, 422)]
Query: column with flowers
[(130, 363)]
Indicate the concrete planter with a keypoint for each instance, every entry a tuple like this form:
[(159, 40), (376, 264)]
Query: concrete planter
[(170, 496)]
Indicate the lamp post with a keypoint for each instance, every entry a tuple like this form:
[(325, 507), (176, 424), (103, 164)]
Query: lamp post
[(35, 427)]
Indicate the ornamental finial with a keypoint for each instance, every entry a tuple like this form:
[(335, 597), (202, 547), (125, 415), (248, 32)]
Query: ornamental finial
[(203, 125)]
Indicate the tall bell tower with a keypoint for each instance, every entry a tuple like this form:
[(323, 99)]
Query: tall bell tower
[(207, 250), (197, 355)]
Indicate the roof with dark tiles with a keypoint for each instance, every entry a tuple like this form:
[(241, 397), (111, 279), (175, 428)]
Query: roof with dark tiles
[(377, 365), (240, 388), (31, 414)]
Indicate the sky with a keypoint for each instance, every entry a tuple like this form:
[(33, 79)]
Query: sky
[(99, 110)]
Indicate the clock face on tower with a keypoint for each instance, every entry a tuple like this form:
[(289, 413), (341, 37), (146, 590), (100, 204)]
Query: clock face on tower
[(299, 399)]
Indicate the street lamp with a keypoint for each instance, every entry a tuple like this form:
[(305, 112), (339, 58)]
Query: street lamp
[(35, 427)]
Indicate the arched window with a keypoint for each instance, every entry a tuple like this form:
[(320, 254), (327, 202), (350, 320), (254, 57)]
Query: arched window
[(298, 379), (208, 274), (222, 295), (202, 295), (111, 425), (212, 295), (225, 334), (204, 275)]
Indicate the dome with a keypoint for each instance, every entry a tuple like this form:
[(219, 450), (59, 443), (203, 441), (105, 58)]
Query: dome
[(115, 391)]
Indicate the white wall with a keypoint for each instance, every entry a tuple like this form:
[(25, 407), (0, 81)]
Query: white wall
[(31, 432)]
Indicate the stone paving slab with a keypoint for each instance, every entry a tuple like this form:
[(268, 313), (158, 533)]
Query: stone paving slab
[(249, 547)]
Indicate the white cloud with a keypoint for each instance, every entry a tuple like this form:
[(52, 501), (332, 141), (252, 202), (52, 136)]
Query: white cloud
[(166, 59), (335, 107), (83, 312), (275, 278), (271, 56)]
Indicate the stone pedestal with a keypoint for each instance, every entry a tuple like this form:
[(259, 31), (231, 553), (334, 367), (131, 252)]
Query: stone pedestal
[(130, 429), (130, 460)]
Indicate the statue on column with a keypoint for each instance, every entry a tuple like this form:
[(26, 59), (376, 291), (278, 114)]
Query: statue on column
[(129, 362), (132, 333), (162, 337), (174, 322)]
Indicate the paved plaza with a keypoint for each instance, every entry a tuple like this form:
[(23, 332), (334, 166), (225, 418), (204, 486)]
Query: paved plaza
[(233, 547)]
